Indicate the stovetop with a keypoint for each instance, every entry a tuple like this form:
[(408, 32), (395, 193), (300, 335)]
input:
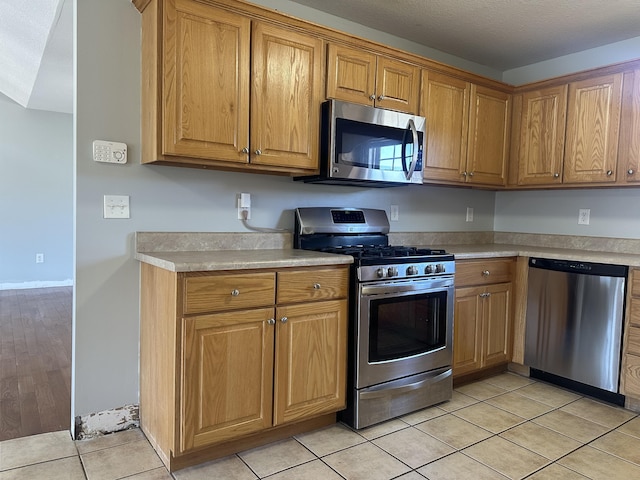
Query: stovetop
[(390, 252)]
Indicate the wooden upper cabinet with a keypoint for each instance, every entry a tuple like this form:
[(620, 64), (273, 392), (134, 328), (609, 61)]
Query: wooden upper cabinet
[(629, 144), (285, 98), (358, 76), (489, 130), (445, 104), (542, 133), (593, 121), (206, 82)]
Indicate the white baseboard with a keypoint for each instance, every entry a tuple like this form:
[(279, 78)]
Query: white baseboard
[(36, 284), (107, 421)]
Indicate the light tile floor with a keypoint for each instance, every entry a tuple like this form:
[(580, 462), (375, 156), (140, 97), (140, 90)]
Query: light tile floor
[(506, 426)]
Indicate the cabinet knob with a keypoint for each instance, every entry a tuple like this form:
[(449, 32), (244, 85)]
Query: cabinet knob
[(258, 152), (486, 273), (556, 175), (316, 286), (380, 97), (372, 96), (271, 321), (245, 150), (235, 292), (630, 171), (471, 174), (464, 174), (284, 319), (609, 173)]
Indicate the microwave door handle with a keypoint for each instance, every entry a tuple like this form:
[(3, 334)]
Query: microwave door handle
[(416, 146)]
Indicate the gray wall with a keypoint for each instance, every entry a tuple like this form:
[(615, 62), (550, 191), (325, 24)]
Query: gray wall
[(173, 199), (36, 210)]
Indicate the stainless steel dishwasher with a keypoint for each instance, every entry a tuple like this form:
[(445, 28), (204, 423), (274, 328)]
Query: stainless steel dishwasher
[(574, 324)]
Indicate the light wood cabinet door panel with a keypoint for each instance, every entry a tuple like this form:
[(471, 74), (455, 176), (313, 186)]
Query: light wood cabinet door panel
[(489, 130), (629, 145), (227, 376), (311, 362), (351, 75), (467, 331), (635, 282), (206, 82), (225, 292), (312, 285), (444, 103), (593, 122), (631, 374), (285, 97), (496, 324), (542, 136), (397, 85)]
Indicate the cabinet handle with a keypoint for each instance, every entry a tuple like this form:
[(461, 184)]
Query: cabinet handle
[(235, 292), (486, 273), (464, 174), (284, 319), (380, 97), (630, 171), (316, 286), (245, 150), (609, 173), (471, 174), (485, 295), (258, 152), (556, 175), (271, 321), (372, 96)]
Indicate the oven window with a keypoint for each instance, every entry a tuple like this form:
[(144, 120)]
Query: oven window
[(409, 325)]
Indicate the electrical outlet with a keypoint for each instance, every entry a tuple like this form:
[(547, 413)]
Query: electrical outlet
[(394, 213), (39, 257), (244, 206), (469, 214), (584, 215)]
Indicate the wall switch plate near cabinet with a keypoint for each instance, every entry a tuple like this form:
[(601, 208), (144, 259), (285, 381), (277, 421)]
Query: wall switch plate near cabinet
[(584, 215), (116, 206), (394, 213)]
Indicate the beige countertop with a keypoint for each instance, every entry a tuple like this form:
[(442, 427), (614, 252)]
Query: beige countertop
[(212, 260)]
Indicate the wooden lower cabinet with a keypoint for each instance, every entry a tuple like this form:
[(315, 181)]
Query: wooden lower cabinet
[(483, 315), (250, 368), (630, 371)]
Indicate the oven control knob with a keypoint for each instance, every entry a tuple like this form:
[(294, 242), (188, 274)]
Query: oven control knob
[(440, 268), (412, 270), (429, 269), (381, 272), (392, 272)]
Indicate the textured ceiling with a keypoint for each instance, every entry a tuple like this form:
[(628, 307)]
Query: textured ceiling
[(501, 34)]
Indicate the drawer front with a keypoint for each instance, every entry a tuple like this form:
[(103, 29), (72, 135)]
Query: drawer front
[(483, 272), (635, 283), (227, 292), (633, 341), (311, 285), (634, 312)]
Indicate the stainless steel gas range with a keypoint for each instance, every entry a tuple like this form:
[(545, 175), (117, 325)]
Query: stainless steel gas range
[(401, 313)]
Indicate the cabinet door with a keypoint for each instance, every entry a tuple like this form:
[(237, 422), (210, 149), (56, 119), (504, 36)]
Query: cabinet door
[(489, 122), (444, 103), (467, 331), (629, 145), (206, 82), (351, 75), (496, 324), (227, 371), (397, 85), (593, 120), (285, 99), (542, 136), (311, 360)]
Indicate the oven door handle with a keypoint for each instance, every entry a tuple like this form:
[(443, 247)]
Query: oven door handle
[(383, 391), (413, 286)]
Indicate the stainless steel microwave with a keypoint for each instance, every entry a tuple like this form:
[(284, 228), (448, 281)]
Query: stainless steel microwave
[(367, 146)]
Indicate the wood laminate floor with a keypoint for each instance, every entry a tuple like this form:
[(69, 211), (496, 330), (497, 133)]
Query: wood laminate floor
[(35, 361)]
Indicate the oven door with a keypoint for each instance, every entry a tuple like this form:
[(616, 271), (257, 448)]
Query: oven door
[(404, 328)]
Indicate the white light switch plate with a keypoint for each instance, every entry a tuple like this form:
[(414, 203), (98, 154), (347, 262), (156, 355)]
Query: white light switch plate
[(109, 152), (116, 206)]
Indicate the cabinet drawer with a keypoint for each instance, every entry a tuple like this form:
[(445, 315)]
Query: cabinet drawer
[(635, 283), (226, 292), (634, 312), (631, 375), (483, 272), (310, 285)]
